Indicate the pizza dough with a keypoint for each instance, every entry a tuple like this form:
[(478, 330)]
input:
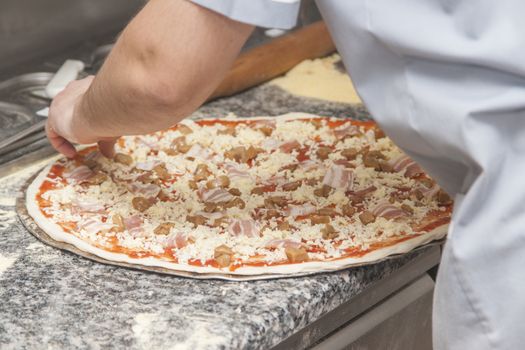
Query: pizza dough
[(319, 78), (201, 224)]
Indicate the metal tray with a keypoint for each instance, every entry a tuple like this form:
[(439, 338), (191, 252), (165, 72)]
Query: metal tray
[(26, 90), (32, 227)]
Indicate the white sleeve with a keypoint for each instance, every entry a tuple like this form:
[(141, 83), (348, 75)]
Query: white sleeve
[(263, 13)]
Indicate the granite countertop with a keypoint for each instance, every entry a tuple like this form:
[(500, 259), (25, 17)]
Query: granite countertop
[(54, 299)]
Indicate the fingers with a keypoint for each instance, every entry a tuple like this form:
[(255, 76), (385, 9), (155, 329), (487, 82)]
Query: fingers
[(107, 147), (59, 143)]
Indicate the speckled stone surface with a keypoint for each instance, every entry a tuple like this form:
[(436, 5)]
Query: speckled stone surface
[(52, 299)]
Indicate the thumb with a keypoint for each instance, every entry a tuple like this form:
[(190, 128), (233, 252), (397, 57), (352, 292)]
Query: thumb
[(107, 147)]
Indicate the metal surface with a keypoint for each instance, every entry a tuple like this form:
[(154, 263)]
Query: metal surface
[(14, 118), (26, 90), (401, 322), (20, 98), (32, 227), (36, 29), (27, 155), (371, 296), (28, 140), (34, 128)]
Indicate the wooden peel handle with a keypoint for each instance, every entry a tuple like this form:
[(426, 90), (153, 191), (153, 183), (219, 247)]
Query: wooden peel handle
[(275, 58)]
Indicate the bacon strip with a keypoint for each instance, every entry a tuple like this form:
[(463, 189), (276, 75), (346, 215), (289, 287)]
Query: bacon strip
[(198, 152), (288, 147), (308, 165), (94, 226), (146, 190), (211, 216), (339, 177), (246, 227), (133, 224), (401, 163), (429, 192), (300, 210), (147, 166), (388, 211), (265, 122), (235, 171), (413, 170), (79, 174), (346, 131), (176, 240), (216, 195), (147, 143), (282, 243), (95, 155), (345, 163), (80, 206), (271, 144), (364, 192), (404, 163), (275, 180)]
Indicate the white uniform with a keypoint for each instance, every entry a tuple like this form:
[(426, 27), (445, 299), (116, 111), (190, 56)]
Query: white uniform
[(446, 81)]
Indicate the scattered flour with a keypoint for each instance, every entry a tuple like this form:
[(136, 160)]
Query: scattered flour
[(142, 328), (6, 262), (35, 246), (7, 201), (7, 218), (201, 338)]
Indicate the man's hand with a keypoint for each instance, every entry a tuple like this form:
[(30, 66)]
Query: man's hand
[(165, 64), (66, 125)]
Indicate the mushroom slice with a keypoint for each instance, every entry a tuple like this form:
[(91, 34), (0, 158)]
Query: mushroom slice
[(141, 204), (184, 129), (292, 186), (367, 217), (349, 153), (119, 222), (443, 198), (235, 202), (296, 255), (196, 220), (180, 145), (323, 152), (234, 191), (228, 131), (319, 219), (324, 191), (123, 159), (223, 255), (161, 171), (223, 249), (164, 228), (274, 202), (329, 232), (407, 208), (223, 260), (202, 172), (97, 178), (348, 210)]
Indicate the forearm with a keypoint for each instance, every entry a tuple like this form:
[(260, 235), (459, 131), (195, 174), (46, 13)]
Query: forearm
[(165, 64)]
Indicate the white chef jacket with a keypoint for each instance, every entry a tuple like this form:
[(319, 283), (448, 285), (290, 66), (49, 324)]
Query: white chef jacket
[(446, 80)]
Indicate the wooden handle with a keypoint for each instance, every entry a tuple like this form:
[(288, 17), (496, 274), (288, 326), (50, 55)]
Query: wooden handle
[(275, 58)]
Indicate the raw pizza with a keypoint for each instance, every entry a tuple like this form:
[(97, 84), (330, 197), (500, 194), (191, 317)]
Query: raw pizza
[(277, 195)]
